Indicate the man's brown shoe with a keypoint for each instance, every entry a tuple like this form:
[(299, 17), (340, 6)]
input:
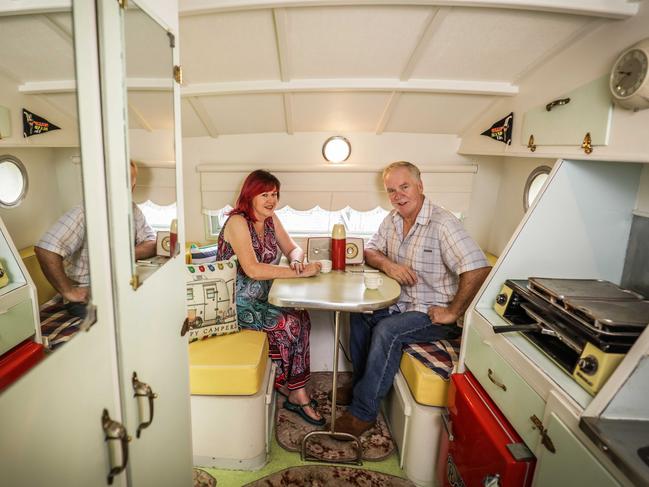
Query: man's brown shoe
[(343, 395), (348, 423)]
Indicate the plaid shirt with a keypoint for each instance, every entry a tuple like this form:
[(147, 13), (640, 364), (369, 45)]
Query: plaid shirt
[(437, 248), (67, 239)]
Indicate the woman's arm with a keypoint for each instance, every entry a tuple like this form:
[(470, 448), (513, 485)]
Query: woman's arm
[(238, 235), (289, 248)]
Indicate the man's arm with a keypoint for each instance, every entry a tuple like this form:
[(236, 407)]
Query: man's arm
[(52, 266), (400, 273), (145, 249), (468, 285)]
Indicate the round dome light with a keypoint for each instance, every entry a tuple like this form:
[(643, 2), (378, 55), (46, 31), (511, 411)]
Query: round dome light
[(336, 149)]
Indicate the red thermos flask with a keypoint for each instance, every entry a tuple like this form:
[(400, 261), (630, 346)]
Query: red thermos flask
[(338, 242)]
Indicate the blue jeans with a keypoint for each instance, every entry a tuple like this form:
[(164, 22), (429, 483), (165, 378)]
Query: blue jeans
[(376, 343)]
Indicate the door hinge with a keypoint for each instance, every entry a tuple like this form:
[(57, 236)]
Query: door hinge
[(123, 4), (178, 74), (135, 281), (545, 439), (172, 39)]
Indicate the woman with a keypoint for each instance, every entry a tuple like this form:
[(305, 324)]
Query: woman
[(256, 236)]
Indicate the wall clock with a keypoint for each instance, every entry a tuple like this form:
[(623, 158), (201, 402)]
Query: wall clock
[(628, 81)]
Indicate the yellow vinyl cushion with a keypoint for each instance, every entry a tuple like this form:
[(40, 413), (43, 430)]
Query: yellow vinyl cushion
[(491, 258), (426, 386), (228, 365)]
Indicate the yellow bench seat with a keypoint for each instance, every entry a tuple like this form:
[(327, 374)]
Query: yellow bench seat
[(228, 365), (426, 387)]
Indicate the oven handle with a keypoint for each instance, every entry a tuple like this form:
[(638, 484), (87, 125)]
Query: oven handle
[(512, 328), (547, 329)]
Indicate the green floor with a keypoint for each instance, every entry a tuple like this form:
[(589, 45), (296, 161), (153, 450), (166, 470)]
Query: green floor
[(280, 459)]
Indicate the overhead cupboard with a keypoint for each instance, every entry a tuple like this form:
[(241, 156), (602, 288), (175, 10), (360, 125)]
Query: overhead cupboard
[(581, 227)]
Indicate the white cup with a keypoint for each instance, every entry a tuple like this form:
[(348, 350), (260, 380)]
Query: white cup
[(325, 266), (372, 280)]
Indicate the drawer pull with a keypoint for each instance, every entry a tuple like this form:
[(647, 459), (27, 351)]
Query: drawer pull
[(490, 374)]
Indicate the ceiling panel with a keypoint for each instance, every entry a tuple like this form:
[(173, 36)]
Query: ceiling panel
[(345, 112), (191, 124), (148, 49), (243, 114), (352, 42), (155, 108), (228, 47), (436, 114), (492, 44), (25, 63)]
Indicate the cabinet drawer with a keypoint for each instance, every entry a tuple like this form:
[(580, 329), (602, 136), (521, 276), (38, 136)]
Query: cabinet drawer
[(16, 325), (517, 400)]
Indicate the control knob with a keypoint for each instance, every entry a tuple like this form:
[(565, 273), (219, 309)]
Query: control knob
[(588, 364), (501, 299)]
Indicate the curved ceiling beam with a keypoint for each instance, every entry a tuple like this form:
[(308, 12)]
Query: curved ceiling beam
[(614, 9), (464, 87)]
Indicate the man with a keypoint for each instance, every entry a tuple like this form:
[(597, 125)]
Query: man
[(62, 252), (440, 269)]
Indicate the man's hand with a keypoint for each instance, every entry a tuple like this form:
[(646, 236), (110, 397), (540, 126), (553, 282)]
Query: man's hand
[(441, 315), (76, 294), (401, 273)]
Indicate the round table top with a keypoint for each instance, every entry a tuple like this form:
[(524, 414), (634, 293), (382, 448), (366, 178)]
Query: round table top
[(335, 290)]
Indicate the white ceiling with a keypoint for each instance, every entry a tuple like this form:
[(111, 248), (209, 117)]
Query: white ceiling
[(266, 66)]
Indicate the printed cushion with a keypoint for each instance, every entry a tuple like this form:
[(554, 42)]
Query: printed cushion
[(202, 255), (427, 368), (211, 304)]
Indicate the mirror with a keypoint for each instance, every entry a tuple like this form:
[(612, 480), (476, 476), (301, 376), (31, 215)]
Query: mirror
[(13, 181), (40, 143), (151, 145)]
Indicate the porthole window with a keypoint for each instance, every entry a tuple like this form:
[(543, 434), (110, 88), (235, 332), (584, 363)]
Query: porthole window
[(534, 183), (13, 181)]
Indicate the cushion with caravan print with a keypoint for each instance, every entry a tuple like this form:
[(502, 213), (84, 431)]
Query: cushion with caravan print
[(211, 303), (202, 255)]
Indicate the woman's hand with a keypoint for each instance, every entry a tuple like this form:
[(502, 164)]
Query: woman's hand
[(297, 266), (311, 269)]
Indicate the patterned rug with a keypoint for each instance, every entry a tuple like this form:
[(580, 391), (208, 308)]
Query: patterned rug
[(321, 476), (202, 478), (377, 442)]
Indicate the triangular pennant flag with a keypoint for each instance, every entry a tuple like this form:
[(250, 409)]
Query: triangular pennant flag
[(34, 125), (501, 130)]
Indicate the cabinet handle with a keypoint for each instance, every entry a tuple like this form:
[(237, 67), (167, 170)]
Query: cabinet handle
[(143, 390), (490, 374), (115, 431), (559, 102), (545, 439)]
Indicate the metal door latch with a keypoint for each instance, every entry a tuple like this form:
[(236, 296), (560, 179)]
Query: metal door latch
[(545, 439)]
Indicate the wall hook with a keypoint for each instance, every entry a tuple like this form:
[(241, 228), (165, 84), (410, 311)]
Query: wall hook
[(530, 143), (587, 143)]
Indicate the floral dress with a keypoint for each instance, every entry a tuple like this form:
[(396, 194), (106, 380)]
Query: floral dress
[(287, 329)]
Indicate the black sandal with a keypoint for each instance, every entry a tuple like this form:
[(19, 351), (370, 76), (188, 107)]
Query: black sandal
[(299, 409), (314, 403)]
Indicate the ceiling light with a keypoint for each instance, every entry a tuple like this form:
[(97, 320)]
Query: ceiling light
[(336, 149)]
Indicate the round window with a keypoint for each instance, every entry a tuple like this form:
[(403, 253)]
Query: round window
[(533, 185), (13, 181)]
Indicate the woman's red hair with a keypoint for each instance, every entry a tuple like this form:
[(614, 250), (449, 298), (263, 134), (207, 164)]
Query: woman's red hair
[(257, 182)]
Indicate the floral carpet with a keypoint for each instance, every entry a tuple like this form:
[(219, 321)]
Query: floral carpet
[(321, 476), (290, 428), (202, 479)]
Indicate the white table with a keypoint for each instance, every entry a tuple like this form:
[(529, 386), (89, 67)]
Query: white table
[(337, 291)]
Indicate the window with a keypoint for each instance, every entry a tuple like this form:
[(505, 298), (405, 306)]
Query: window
[(313, 222), (159, 217), (13, 181), (533, 185)]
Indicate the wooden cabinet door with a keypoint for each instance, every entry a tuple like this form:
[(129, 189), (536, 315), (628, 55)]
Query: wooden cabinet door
[(51, 418), (572, 464), (150, 300)]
